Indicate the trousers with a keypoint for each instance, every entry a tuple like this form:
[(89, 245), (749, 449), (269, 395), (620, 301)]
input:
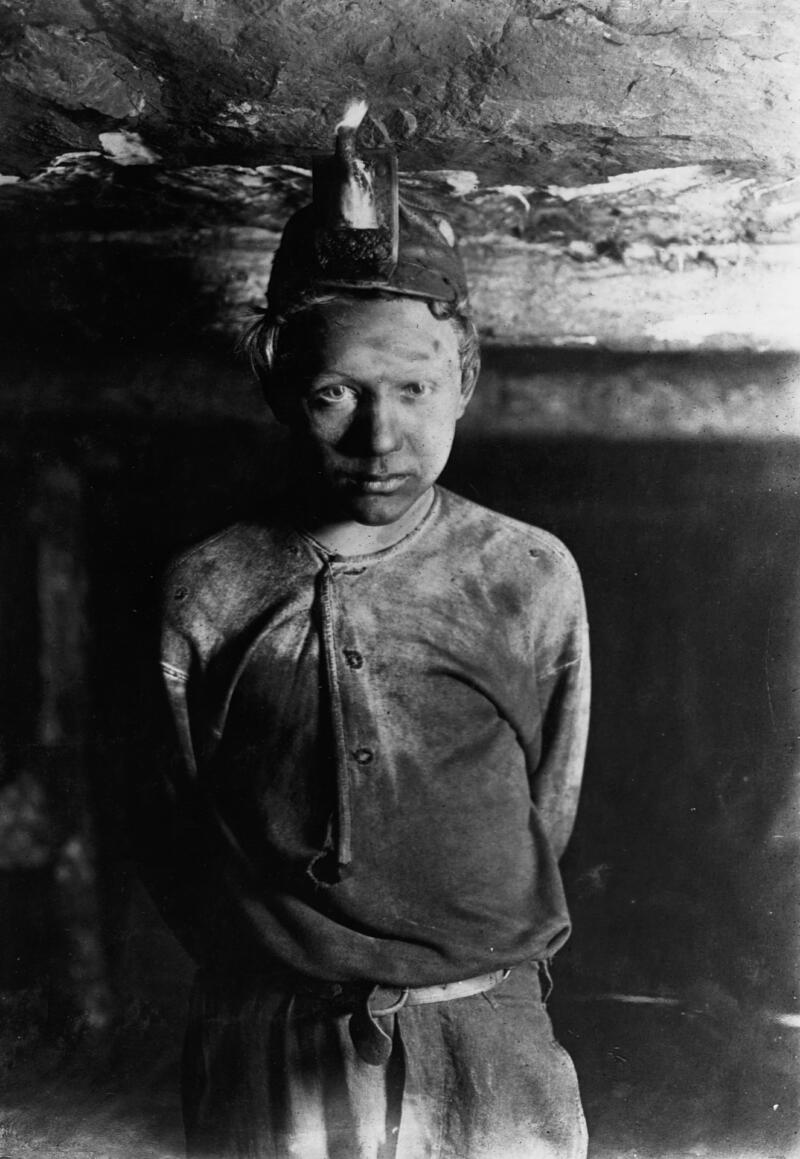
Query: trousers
[(269, 1073)]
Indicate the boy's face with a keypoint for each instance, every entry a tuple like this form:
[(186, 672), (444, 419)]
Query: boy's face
[(378, 407)]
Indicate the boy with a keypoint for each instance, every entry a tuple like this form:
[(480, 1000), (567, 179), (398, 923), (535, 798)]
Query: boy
[(380, 694)]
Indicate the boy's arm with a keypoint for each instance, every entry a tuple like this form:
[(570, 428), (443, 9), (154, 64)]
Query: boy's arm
[(175, 853), (209, 894), (564, 690)]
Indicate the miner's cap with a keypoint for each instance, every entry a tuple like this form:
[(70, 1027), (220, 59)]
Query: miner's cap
[(357, 234)]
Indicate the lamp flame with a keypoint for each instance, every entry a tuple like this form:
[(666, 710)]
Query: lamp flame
[(354, 112), (356, 196)]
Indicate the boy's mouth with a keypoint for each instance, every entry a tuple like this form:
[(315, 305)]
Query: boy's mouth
[(378, 484)]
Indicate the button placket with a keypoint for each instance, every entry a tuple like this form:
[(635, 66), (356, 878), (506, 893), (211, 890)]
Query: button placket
[(354, 659), (330, 649), (355, 759)]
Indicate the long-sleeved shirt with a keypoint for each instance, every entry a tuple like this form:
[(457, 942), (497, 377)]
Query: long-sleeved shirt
[(379, 756)]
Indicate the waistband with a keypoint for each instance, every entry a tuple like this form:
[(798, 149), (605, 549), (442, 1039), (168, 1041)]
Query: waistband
[(372, 1041), (444, 992), (369, 1009)]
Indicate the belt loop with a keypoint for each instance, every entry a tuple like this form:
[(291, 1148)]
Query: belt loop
[(545, 979), (370, 1039)]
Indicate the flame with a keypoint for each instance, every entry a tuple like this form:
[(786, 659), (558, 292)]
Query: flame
[(354, 112), (358, 200)]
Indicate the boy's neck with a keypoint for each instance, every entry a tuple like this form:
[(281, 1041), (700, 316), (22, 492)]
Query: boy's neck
[(346, 537)]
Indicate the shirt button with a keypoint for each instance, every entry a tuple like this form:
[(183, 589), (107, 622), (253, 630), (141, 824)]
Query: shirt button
[(363, 756), (354, 658)]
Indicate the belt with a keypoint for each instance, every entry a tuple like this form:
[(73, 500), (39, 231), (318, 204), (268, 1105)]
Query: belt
[(372, 1042)]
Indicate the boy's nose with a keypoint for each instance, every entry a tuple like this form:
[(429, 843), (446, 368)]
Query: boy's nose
[(381, 428)]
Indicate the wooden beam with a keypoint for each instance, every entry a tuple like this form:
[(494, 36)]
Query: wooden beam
[(522, 393), (699, 257)]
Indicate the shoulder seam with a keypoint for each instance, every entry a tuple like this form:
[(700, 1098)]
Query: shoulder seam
[(547, 539), (189, 553), (554, 544)]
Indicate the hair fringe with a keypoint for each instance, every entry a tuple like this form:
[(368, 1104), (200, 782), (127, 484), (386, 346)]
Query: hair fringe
[(259, 342)]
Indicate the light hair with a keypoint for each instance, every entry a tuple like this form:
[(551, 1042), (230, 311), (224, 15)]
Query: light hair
[(271, 357)]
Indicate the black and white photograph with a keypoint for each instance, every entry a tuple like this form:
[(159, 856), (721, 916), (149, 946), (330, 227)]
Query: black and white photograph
[(400, 587)]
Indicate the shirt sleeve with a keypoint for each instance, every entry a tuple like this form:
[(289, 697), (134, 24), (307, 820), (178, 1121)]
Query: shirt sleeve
[(207, 891), (564, 692)]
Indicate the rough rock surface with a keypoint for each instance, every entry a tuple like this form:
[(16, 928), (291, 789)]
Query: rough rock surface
[(533, 90)]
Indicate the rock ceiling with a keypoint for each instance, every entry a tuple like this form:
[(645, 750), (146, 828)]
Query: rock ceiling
[(621, 172), (537, 91)]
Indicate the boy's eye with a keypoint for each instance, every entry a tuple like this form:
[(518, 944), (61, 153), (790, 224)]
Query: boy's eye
[(415, 389), (334, 392)]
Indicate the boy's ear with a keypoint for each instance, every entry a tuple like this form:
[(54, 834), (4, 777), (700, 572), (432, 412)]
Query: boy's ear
[(468, 384)]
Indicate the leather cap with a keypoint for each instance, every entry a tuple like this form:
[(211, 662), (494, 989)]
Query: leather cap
[(427, 264), (358, 235)]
